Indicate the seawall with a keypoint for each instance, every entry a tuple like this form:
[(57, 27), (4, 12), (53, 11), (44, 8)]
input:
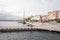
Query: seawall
[(36, 27)]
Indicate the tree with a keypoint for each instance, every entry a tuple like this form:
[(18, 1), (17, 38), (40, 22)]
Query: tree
[(28, 19), (41, 18)]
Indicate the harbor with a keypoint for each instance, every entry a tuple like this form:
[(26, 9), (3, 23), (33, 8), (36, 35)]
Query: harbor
[(29, 19), (49, 22)]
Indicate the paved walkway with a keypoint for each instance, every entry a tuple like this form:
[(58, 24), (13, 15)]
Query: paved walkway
[(47, 26)]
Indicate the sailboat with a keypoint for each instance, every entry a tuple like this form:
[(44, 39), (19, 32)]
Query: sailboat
[(24, 22)]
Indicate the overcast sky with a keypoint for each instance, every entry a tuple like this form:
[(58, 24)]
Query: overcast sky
[(13, 9)]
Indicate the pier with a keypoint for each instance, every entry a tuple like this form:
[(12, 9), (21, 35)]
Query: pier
[(36, 26)]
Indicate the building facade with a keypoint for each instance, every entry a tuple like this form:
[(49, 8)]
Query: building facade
[(52, 16), (35, 18), (44, 18)]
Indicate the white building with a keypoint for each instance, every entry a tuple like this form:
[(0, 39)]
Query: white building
[(35, 17)]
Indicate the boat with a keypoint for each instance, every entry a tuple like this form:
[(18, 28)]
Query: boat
[(23, 21)]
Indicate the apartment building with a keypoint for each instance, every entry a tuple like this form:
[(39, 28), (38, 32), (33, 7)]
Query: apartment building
[(35, 17), (44, 18), (58, 15), (52, 16)]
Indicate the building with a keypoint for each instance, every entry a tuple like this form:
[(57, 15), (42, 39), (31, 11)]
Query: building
[(45, 18), (58, 15), (37, 17), (52, 16)]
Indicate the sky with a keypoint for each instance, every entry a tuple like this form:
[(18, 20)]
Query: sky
[(14, 9)]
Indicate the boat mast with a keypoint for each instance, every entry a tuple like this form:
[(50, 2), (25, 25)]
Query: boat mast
[(23, 13), (24, 22)]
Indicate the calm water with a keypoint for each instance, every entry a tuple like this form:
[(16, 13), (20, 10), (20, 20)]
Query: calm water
[(30, 35), (7, 23)]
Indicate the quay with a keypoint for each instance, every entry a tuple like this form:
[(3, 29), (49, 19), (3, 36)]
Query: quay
[(36, 27)]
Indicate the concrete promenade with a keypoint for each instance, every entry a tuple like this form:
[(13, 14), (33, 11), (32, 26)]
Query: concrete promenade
[(36, 25), (47, 26)]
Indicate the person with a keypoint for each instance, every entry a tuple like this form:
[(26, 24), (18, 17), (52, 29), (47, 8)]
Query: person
[(24, 22), (30, 25)]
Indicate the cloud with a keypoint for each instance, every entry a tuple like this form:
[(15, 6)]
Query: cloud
[(15, 8), (7, 16)]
